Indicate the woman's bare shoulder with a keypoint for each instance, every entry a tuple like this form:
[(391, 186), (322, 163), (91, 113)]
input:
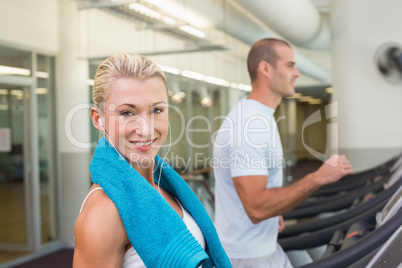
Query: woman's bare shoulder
[(99, 214), (99, 232)]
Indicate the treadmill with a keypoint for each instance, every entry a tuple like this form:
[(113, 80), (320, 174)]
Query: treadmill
[(343, 216), (389, 255), (342, 202), (358, 180), (361, 238)]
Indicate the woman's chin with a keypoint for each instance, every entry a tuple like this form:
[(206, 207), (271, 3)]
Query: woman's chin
[(141, 160)]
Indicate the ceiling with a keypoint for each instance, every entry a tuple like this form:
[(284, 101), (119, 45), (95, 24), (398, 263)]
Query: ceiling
[(303, 23)]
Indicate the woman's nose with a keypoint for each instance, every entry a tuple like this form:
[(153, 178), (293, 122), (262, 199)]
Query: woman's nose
[(143, 126)]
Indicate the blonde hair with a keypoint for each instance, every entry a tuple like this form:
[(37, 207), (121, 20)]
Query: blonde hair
[(123, 65)]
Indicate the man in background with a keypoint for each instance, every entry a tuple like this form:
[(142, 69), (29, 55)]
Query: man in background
[(248, 179)]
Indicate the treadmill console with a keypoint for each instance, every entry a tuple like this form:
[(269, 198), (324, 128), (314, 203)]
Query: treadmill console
[(391, 208), (389, 254)]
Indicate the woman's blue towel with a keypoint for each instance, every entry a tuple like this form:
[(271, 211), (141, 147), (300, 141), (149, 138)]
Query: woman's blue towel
[(155, 230)]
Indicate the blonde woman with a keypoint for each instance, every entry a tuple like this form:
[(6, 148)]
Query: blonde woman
[(139, 211)]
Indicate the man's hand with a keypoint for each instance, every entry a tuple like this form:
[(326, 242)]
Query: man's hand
[(336, 167), (281, 226)]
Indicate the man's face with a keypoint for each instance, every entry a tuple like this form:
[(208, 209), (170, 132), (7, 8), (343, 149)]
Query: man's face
[(285, 72)]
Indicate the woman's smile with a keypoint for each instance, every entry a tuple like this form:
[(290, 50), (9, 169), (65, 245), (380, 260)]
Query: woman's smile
[(143, 146)]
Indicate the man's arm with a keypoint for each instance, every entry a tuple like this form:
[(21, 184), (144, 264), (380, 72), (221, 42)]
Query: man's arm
[(261, 203)]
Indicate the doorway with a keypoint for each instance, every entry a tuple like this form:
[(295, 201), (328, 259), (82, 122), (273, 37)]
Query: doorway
[(13, 223), (28, 221)]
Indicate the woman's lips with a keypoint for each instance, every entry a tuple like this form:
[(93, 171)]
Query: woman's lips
[(143, 146)]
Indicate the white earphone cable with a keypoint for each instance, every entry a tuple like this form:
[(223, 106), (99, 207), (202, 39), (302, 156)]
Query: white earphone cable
[(110, 140), (170, 144)]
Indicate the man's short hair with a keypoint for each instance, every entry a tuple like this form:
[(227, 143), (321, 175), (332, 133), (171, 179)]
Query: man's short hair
[(263, 50)]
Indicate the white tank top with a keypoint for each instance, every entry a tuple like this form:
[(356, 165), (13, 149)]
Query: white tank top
[(133, 260)]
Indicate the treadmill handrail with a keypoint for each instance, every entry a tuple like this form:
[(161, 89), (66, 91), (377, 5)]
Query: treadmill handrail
[(355, 192), (345, 201), (357, 178), (338, 218), (362, 247), (322, 236)]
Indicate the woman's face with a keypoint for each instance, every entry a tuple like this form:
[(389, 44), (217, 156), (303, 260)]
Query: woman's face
[(136, 118)]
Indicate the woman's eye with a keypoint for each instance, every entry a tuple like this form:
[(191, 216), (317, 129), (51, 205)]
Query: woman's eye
[(126, 113), (157, 110)]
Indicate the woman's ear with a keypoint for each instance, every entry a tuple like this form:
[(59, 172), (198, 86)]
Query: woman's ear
[(96, 119)]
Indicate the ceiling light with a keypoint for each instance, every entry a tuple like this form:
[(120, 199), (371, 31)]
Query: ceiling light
[(244, 87), (42, 74), (3, 91), (206, 102), (177, 95), (216, 81), (14, 70), (192, 31), (168, 69), (21, 71), (41, 90), (180, 12), (209, 79), (205, 98), (176, 98), (329, 90), (145, 11), (151, 13), (191, 74), (168, 20), (17, 92), (233, 85)]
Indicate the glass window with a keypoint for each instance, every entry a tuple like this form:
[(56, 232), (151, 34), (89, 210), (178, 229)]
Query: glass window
[(177, 154), (46, 140)]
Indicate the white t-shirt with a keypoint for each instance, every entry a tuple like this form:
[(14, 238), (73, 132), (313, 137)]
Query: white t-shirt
[(247, 143)]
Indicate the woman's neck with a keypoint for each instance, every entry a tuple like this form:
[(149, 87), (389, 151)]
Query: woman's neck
[(145, 171)]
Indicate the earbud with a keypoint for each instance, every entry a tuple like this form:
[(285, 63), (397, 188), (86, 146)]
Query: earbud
[(110, 141)]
